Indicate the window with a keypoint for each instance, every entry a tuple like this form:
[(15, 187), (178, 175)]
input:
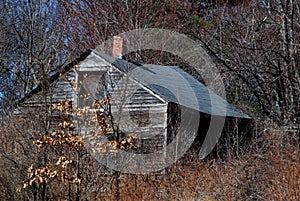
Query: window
[(92, 86)]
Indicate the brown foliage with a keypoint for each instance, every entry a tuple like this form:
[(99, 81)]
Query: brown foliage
[(269, 171)]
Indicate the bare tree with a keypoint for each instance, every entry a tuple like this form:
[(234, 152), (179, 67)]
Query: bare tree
[(257, 45), (32, 45), (32, 49)]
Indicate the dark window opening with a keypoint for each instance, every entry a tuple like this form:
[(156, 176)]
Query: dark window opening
[(92, 86)]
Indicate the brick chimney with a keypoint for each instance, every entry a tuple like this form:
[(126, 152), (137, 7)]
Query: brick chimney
[(117, 46)]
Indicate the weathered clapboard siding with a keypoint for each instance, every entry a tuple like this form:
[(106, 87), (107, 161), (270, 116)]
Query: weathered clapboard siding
[(63, 88), (59, 90), (36, 97), (135, 109)]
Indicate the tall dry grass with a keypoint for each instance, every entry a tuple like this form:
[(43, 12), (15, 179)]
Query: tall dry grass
[(268, 170)]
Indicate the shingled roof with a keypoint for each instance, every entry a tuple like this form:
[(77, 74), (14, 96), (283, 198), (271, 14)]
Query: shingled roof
[(175, 85)]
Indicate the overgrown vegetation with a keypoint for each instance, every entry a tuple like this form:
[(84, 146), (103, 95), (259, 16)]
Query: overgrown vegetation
[(255, 44), (267, 170)]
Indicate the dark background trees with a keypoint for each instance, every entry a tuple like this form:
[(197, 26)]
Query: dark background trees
[(32, 45), (256, 44), (253, 42)]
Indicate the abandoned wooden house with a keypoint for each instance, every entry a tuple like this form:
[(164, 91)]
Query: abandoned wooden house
[(144, 98)]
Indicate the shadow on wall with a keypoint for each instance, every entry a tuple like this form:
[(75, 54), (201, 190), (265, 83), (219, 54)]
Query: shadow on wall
[(236, 134)]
